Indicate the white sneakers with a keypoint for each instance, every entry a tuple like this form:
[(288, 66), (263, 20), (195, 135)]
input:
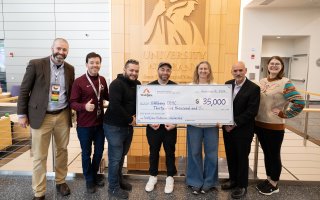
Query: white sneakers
[(169, 185), (153, 181)]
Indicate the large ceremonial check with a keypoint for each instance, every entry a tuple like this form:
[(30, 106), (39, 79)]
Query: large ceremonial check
[(184, 104)]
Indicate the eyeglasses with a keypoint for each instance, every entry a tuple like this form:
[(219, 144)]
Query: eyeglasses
[(275, 64)]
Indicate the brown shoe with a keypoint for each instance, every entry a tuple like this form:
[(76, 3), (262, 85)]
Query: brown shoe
[(63, 189), (38, 198)]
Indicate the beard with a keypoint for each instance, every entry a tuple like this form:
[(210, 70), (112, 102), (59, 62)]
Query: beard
[(164, 78), (59, 58), (130, 77)]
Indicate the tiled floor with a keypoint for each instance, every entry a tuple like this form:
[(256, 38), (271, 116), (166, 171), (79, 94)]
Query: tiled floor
[(19, 187)]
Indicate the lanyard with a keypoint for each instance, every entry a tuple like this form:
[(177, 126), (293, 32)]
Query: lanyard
[(94, 88), (56, 73)]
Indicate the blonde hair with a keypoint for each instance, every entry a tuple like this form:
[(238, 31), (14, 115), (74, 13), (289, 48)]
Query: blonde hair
[(196, 74)]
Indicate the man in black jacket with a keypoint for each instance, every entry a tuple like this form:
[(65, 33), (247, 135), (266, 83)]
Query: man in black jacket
[(118, 125), (238, 137)]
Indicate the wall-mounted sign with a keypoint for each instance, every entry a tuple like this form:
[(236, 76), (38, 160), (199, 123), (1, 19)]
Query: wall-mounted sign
[(174, 31)]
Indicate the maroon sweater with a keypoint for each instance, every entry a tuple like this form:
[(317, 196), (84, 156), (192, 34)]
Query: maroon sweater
[(81, 93)]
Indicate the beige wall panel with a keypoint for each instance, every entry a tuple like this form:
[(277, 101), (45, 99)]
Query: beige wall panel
[(227, 76), (234, 3), (118, 2), (223, 30), (233, 15), (117, 43), (221, 58), (213, 56), (224, 6), (117, 64), (229, 60), (117, 19), (214, 28), (215, 7), (232, 39), (219, 78), (135, 12)]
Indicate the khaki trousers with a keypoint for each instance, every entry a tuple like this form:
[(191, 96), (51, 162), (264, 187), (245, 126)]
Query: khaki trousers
[(58, 126)]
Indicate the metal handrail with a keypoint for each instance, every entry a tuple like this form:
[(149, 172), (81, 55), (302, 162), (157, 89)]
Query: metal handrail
[(311, 110), (310, 93)]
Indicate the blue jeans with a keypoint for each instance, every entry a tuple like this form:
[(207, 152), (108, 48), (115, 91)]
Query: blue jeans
[(198, 174), (87, 136), (119, 141)]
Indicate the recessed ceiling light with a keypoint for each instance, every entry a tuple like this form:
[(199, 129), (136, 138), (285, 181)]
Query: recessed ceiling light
[(278, 37)]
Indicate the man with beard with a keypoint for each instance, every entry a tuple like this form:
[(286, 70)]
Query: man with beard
[(44, 104), (165, 134), (238, 137), (118, 126)]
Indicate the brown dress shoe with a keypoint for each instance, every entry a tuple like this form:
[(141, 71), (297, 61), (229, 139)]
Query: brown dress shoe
[(38, 198), (63, 189)]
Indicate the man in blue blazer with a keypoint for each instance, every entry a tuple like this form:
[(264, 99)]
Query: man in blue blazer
[(238, 137), (44, 104)]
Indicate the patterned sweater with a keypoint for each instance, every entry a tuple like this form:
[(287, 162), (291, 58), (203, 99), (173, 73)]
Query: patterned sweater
[(281, 94)]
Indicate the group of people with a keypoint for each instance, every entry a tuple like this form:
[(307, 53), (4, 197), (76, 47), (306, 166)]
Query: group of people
[(49, 92)]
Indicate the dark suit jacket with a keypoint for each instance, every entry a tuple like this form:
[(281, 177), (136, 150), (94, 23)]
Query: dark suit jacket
[(35, 87), (245, 108)]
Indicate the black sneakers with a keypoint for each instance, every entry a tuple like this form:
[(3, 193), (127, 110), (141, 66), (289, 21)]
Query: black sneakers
[(125, 185), (91, 188), (118, 193), (269, 189), (99, 181), (262, 184)]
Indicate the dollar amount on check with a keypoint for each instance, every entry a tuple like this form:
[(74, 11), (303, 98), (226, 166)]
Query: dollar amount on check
[(184, 104)]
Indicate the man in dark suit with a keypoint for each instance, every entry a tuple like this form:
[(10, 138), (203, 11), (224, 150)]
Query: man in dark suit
[(44, 104), (238, 137)]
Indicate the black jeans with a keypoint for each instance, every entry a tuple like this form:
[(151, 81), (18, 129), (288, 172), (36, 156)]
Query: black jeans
[(271, 141), (168, 139)]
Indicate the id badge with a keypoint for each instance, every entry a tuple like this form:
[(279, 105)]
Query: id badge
[(55, 92)]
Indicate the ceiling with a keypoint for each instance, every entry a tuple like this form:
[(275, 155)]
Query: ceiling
[(283, 4)]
